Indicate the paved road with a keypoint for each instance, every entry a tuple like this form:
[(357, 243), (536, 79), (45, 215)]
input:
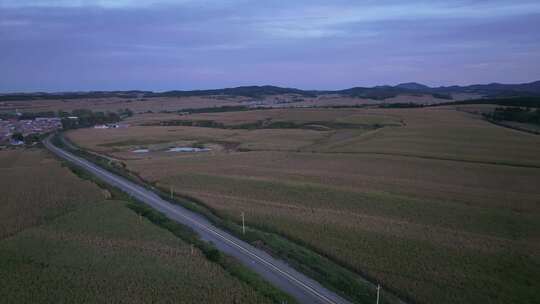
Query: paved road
[(277, 272)]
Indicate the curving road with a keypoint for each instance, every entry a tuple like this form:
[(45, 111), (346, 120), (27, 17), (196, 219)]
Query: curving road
[(277, 272)]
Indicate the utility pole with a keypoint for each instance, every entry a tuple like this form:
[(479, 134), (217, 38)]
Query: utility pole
[(243, 224), (172, 192), (378, 292)]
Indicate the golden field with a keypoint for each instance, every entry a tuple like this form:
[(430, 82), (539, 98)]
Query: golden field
[(159, 104), (35, 187), (62, 242), (436, 204), (155, 104)]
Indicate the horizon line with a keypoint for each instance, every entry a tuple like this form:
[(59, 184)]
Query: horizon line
[(253, 85)]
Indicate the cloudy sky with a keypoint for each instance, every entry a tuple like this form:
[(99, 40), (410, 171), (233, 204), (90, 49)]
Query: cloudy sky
[(66, 45)]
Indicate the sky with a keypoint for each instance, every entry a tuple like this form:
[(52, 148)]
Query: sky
[(82, 45)]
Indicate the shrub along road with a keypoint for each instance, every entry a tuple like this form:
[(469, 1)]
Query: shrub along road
[(302, 288)]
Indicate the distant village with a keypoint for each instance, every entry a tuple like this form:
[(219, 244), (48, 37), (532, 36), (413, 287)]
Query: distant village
[(17, 129), (111, 126), (13, 131)]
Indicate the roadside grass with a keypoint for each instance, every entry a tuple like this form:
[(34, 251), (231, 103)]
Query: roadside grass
[(296, 253), (229, 264)]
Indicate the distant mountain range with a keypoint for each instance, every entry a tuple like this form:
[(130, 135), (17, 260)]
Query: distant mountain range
[(488, 90), (492, 90)]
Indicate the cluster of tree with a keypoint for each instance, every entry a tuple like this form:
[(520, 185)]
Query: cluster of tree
[(376, 93), (401, 105), (124, 113), (17, 136), (71, 95), (28, 139), (524, 115), (26, 115), (216, 109), (83, 118), (533, 102), (356, 106), (442, 95), (192, 123), (86, 118), (385, 92), (100, 117), (6, 115), (247, 91), (33, 115)]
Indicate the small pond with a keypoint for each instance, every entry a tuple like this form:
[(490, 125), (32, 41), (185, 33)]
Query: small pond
[(188, 149)]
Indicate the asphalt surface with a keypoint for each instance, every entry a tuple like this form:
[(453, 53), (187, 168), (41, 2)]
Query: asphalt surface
[(275, 271)]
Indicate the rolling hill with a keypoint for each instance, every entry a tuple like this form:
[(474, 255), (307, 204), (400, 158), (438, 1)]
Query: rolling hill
[(492, 90)]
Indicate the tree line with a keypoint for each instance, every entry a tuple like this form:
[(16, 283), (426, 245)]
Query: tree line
[(523, 115)]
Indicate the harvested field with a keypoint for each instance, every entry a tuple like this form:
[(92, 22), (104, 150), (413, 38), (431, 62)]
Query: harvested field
[(60, 242), (159, 138), (338, 100), (298, 116), (159, 104), (333, 125), (442, 208), (445, 134)]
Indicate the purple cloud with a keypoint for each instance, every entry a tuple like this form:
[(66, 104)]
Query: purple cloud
[(161, 45)]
